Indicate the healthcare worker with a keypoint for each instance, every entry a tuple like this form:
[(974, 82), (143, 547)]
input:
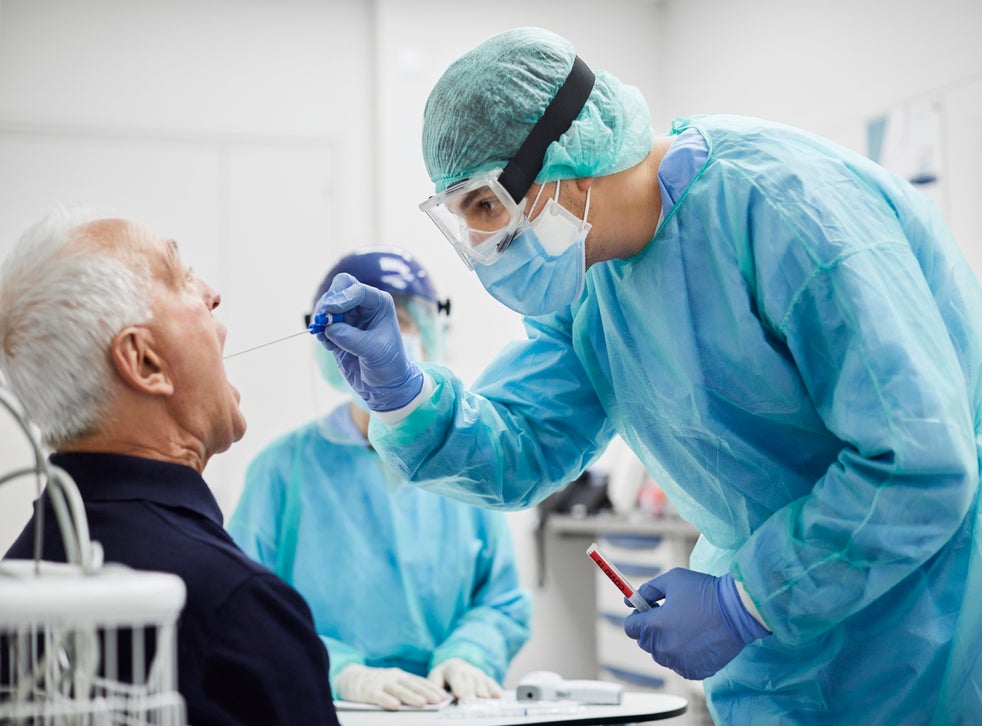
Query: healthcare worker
[(412, 593), (785, 334)]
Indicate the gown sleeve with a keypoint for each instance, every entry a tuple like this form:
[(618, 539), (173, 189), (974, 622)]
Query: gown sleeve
[(880, 366), (497, 625), (530, 424), (254, 525)]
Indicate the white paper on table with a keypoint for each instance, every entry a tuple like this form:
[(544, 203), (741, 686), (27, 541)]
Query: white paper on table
[(356, 706)]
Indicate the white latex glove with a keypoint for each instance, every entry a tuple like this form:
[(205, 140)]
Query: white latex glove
[(464, 680), (387, 687)]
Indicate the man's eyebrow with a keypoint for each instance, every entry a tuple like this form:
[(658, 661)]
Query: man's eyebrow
[(174, 252), (469, 199), (173, 256), (460, 206)]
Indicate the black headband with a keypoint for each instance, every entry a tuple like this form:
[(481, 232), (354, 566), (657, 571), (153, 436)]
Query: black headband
[(520, 173)]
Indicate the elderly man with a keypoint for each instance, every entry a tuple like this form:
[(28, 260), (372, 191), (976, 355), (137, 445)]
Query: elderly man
[(111, 344)]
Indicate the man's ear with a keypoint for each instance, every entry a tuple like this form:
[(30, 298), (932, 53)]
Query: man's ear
[(137, 362), (584, 182)]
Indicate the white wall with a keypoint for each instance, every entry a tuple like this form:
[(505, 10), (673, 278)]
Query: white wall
[(270, 137), (236, 127), (830, 67)]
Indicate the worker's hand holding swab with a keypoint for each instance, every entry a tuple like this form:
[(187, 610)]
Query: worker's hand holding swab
[(368, 344)]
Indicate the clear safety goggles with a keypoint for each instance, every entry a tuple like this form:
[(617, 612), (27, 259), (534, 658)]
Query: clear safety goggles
[(478, 216)]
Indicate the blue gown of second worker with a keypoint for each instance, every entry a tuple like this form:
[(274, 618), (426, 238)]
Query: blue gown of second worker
[(807, 390), (395, 577)]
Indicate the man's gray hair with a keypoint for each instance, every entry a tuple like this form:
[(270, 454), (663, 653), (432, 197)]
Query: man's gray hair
[(61, 303)]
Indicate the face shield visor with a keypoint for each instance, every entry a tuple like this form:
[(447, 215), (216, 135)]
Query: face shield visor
[(480, 216)]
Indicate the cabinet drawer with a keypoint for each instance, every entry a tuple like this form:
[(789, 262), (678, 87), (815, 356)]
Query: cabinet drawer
[(648, 553)]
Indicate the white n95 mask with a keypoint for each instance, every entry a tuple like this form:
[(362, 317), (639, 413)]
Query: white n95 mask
[(544, 267)]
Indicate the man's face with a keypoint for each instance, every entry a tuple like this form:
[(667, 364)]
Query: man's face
[(190, 340)]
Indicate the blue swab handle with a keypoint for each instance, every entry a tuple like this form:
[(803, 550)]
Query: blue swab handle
[(323, 320)]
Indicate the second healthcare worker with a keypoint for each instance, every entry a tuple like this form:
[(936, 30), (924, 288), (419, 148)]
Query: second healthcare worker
[(413, 594), (784, 333)]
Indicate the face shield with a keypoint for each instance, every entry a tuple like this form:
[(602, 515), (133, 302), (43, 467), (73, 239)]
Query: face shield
[(431, 326), (480, 216)]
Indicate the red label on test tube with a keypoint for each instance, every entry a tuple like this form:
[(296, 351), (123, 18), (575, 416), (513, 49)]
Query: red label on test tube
[(617, 578)]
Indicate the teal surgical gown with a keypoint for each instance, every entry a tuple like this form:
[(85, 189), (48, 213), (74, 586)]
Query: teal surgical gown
[(796, 357), (396, 577)]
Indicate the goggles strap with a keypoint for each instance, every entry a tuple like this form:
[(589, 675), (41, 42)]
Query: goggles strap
[(520, 173)]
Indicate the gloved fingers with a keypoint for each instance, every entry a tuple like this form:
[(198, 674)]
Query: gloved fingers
[(633, 624), (461, 685), (384, 699), (415, 690), (631, 604), (375, 338), (437, 676), (406, 695), (464, 679), (326, 342), (359, 303), (486, 687), (654, 590), (345, 338), (344, 293), (366, 685)]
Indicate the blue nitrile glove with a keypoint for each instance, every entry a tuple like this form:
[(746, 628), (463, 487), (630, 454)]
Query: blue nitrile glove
[(700, 626), (368, 345)]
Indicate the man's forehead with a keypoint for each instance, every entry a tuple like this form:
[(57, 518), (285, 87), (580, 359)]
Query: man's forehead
[(105, 231), (121, 233), (132, 242)]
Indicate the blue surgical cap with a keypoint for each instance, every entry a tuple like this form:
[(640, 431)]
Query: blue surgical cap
[(487, 101)]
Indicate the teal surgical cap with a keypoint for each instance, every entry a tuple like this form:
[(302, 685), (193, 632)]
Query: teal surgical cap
[(487, 101)]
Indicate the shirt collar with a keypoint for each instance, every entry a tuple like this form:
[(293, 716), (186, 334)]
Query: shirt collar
[(116, 477), (339, 427)]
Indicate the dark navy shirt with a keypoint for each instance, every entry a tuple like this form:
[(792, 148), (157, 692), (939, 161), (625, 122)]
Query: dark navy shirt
[(246, 646)]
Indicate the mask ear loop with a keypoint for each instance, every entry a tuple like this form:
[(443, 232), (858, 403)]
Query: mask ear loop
[(586, 207), (535, 202)]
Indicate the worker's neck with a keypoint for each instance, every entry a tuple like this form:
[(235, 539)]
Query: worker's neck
[(628, 208), (361, 418)]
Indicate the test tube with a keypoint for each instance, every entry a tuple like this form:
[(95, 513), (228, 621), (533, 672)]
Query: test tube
[(615, 576)]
